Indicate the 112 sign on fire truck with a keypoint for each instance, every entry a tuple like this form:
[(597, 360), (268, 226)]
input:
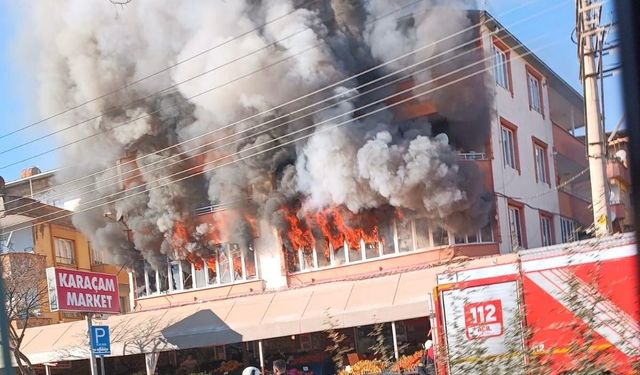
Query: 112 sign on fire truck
[(559, 309)]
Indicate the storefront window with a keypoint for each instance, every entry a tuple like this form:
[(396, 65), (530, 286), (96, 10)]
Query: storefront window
[(152, 286), (372, 250), (236, 261), (483, 235), (395, 237), (175, 276), (305, 258), (422, 233), (388, 242), (163, 279), (322, 254), (212, 271), (405, 237), (339, 256), (187, 275), (223, 262), (486, 233), (355, 254), (227, 260), (141, 283), (199, 273), (440, 236), (250, 264)]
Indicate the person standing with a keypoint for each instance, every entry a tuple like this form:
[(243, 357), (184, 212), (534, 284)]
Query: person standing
[(427, 361), (279, 367), (429, 358)]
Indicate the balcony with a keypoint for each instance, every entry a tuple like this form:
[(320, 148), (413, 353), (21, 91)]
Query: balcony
[(617, 171), (573, 207), (569, 146)]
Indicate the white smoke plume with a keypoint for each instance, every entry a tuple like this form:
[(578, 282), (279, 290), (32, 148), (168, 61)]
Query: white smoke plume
[(82, 50)]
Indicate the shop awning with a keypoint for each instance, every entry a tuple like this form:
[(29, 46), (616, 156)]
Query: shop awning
[(260, 316)]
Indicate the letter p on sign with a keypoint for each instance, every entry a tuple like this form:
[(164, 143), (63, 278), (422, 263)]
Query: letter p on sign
[(100, 341)]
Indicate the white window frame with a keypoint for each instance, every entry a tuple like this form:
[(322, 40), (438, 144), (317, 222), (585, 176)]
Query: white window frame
[(501, 69), (534, 85), (546, 226), (97, 256), (70, 258), (568, 229), (299, 254), (540, 159), (178, 286), (479, 237), (515, 227), (508, 147)]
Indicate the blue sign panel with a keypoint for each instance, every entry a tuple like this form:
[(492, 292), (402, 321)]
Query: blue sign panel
[(100, 340)]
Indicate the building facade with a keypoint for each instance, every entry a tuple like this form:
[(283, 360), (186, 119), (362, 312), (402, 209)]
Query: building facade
[(30, 226), (261, 299)]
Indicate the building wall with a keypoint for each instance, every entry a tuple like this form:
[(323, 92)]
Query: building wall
[(519, 186)]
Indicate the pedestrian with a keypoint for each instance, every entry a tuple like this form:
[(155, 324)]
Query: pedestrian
[(427, 361), (279, 367), (429, 357), (188, 366), (291, 368)]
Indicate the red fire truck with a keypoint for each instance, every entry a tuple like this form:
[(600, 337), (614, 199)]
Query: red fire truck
[(556, 309)]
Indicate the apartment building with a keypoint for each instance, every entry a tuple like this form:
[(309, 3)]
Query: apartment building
[(263, 300), (30, 227), (619, 182), (41, 186), (538, 165)]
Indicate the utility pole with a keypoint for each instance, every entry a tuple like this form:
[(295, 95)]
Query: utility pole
[(590, 36), (92, 355)]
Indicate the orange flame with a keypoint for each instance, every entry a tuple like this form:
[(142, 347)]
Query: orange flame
[(198, 262), (179, 238), (211, 264), (337, 224), (299, 233)]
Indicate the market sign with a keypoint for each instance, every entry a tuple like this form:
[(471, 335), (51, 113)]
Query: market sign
[(82, 291)]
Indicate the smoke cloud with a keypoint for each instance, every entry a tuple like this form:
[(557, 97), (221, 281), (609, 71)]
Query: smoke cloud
[(377, 161)]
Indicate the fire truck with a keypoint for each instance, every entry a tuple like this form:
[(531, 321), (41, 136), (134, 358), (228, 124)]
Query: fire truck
[(555, 310)]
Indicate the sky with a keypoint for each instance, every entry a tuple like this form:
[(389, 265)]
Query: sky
[(547, 34)]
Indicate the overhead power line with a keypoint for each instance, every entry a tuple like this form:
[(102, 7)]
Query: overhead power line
[(264, 68), (175, 156), (166, 69), (119, 108), (243, 156)]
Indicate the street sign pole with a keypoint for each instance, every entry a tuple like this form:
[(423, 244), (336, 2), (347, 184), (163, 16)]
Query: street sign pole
[(102, 365), (92, 358)]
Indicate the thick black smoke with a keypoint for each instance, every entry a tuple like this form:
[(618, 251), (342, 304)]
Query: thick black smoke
[(85, 49)]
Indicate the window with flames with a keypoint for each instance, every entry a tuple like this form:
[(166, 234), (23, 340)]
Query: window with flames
[(226, 264)]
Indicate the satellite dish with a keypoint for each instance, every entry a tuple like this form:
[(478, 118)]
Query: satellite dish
[(620, 154)]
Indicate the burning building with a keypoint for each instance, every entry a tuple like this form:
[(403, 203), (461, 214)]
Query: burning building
[(338, 140), (328, 170)]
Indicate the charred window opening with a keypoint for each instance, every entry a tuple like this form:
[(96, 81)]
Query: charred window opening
[(394, 237), (226, 264)]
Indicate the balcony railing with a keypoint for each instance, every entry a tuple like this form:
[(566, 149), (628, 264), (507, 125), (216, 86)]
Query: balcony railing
[(617, 170), (472, 156)]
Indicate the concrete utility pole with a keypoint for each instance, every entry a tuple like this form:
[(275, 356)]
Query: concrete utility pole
[(92, 357), (589, 34)]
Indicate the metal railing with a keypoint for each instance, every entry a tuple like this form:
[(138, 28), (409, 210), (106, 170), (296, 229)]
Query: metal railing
[(472, 156)]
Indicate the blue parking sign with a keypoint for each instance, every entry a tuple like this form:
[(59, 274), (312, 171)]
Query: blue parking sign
[(100, 341)]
